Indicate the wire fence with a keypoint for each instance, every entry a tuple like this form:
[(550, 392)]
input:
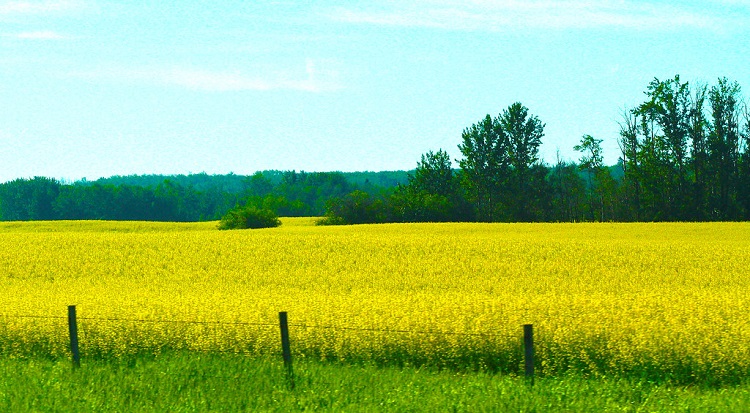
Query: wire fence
[(256, 324), (99, 339), (557, 343)]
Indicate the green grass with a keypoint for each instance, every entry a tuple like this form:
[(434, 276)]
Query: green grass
[(190, 382)]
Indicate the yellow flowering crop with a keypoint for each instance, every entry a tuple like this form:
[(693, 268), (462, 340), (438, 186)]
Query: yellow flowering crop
[(669, 299)]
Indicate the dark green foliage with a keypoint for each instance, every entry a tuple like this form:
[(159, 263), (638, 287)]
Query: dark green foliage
[(526, 186), (744, 164), (599, 182), (433, 194), (313, 190), (486, 166), (382, 179), (28, 199), (198, 197), (249, 217), (408, 206), (664, 123), (357, 207), (724, 146), (230, 183), (681, 160), (258, 185), (434, 175), (502, 174), (567, 192), (525, 136)]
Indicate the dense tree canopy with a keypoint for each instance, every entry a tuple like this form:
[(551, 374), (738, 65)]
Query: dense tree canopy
[(183, 198)]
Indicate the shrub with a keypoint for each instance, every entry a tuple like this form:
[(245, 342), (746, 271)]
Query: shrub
[(357, 207), (249, 217), (330, 220)]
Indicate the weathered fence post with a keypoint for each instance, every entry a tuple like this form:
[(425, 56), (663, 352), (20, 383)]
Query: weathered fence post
[(73, 328), (286, 349), (528, 346)]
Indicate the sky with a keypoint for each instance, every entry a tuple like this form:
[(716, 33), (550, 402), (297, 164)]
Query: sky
[(91, 89)]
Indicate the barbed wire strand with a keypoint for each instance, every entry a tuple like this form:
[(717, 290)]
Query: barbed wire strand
[(400, 331), (241, 323), (158, 350), (34, 316), (143, 320), (135, 320)]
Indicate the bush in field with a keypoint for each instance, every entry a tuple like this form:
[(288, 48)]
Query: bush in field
[(357, 207), (249, 217)]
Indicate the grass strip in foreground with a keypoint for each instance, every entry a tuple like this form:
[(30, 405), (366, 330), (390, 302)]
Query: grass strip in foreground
[(184, 381)]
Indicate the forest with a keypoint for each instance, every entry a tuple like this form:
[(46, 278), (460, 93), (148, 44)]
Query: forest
[(684, 156), (184, 198)]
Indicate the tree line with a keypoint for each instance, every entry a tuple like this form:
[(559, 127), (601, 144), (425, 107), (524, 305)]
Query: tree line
[(195, 197), (684, 156)]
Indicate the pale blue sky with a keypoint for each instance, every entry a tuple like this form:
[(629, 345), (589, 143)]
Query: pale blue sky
[(96, 88)]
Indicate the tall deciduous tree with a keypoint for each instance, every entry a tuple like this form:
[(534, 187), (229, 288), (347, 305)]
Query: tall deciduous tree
[(524, 134), (434, 174), (592, 162), (501, 168), (724, 147), (568, 191), (697, 133), (591, 159), (745, 163), (630, 149), (670, 107), (485, 165)]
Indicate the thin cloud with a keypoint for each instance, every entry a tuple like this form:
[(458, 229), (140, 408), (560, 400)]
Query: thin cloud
[(510, 14), (217, 81)]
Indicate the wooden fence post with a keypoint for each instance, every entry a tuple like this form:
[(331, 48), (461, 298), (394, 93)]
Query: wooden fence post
[(286, 349), (528, 346), (73, 328)]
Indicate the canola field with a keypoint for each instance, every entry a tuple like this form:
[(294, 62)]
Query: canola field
[(662, 301)]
